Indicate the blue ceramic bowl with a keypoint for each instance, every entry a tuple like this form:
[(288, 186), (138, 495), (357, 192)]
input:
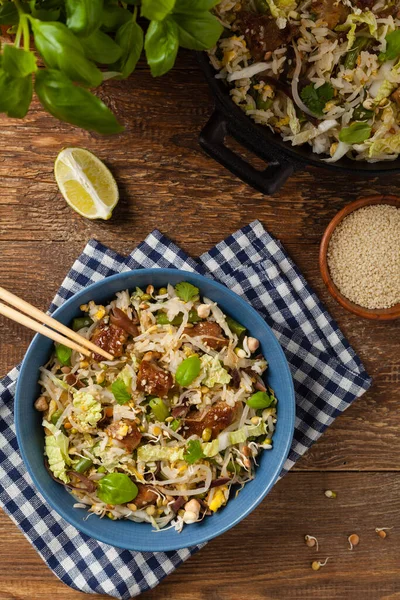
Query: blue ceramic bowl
[(139, 536)]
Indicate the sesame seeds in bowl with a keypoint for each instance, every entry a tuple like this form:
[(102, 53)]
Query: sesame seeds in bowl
[(360, 257)]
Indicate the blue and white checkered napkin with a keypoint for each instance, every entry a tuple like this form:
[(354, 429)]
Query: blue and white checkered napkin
[(327, 375)]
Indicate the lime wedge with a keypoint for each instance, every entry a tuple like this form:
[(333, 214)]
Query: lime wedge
[(86, 183)]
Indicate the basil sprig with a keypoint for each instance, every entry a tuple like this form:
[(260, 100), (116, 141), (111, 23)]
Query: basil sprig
[(76, 37)]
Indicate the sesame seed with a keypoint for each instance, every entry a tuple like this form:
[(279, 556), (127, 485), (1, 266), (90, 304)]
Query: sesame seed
[(364, 256)]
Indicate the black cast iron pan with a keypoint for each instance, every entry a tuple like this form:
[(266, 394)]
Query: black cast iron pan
[(282, 159)]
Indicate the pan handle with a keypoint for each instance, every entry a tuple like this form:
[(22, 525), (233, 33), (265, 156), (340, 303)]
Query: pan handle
[(212, 140)]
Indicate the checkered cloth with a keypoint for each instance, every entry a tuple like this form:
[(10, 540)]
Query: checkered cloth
[(327, 375)]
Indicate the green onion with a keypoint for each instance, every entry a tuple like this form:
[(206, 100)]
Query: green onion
[(235, 327), (55, 416), (81, 322), (83, 465), (175, 424), (63, 353), (162, 319), (351, 57), (263, 104), (159, 409)]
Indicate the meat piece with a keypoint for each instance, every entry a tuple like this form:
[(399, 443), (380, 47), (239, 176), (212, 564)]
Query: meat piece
[(332, 12), (132, 440), (210, 332), (72, 380), (146, 495), (126, 432), (262, 34), (396, 96), (179, 411), (121, 319), (217, 418), (110, 338), (152, 379)]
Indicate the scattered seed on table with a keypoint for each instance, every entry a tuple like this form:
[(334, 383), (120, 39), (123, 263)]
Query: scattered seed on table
[(330, 494), (381, 531), (353, 540), (311, 541), (316, 564)]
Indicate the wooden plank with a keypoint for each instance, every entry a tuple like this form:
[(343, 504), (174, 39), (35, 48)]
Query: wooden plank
[(265, 556)]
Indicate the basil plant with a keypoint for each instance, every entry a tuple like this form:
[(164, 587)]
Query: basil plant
[(82, 43)]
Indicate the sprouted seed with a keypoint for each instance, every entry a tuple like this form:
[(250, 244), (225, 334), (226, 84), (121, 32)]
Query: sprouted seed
[(330, 494), (353, 540), (311, 541), (381, 531), (316, 564)]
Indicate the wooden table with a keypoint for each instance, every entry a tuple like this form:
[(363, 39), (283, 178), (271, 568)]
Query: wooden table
[(167, 182)]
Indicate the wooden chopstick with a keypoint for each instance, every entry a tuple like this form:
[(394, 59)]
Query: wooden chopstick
[(14, 315), (69, 336)]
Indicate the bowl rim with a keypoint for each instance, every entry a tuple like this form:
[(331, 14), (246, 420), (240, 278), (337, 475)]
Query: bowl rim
[(377, 314), (80, 525)]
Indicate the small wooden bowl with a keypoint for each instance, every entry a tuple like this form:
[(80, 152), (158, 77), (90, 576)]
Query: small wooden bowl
[(379, 314)]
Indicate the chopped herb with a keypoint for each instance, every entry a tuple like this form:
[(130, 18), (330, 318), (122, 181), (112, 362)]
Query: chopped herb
[(193, 452), (316, 98), (392, 46), (362, 114), (120, 391), (186, 291)]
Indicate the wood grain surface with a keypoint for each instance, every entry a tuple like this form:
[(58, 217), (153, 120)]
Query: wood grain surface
[(167, 182)]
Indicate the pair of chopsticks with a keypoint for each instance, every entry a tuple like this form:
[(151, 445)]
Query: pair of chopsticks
[(65, 336)]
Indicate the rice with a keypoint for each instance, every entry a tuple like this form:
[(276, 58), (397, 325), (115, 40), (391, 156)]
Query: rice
[(362, 86)]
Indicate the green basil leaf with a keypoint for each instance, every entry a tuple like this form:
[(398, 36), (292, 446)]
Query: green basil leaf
[(72, 104), (156, 10), (392, 48), (45, 10), (161, 45), (84, 16), (121, 392), (260, 400), (63, 353), (356, 133), (61, 50), (130, 38), (194, 452), (114, 17), (15, 94), (18, 62), (190, 7), (186, 291), (199, 31), (100, 48), (316, 98), (9, 14), (116, 488)]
